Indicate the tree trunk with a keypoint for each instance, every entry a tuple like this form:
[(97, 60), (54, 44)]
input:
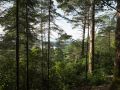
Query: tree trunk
[(91, 41), (49, 25), (27, 47), (83, 38), (117, 39), (17, 45), (87, 47), (116, 81), (42, 53)]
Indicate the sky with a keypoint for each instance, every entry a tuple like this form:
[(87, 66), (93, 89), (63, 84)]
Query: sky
[(2, 8), (67, 27), (1, 30)]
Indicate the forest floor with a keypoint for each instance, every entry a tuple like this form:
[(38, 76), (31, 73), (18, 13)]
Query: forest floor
[(102, 87)]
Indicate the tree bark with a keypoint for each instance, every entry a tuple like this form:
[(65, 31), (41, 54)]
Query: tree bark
[(27, 47), (91, 41), (48, 57), (87, 47), (116, 81), (17, 44), (83, 38), (42, 53), (117, 39)]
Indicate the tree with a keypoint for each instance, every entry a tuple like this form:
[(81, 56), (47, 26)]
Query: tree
[(17, 44), (116, 81), (92, 36)]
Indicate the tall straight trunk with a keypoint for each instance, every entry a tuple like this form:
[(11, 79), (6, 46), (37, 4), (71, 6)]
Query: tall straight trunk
[(91, 41), (116, 81), (49, 28), (17, 44), (27, 46), (42, 52), (83, 38), (109, 41), (117, 39), (87, 46)]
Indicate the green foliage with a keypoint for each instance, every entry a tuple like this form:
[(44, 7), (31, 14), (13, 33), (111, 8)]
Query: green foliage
[(98, 78), (66, 75)]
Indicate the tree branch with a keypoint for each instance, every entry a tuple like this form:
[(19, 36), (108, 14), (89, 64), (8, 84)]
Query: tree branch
[(110, 6)]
